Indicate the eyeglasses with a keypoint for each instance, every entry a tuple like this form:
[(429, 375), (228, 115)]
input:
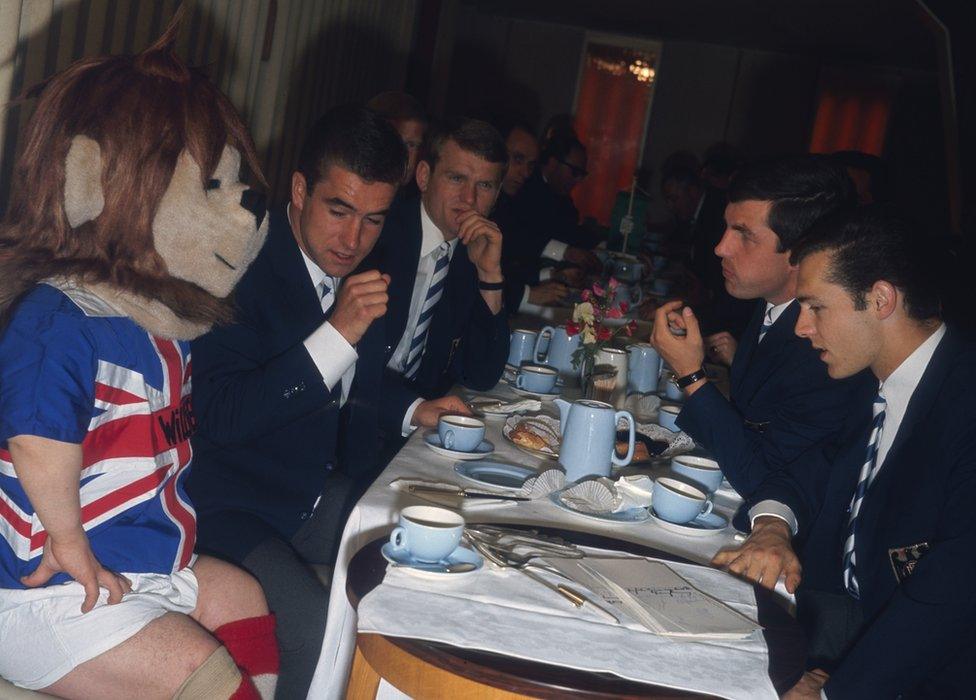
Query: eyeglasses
[(576, 171)]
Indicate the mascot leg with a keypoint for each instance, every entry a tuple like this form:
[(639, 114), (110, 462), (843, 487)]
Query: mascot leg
[(252, 644)]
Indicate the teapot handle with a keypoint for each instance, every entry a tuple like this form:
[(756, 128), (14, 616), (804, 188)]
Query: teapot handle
[(538, 342), (630, 442)]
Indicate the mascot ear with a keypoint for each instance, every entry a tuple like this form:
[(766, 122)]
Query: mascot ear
[(83, 196)]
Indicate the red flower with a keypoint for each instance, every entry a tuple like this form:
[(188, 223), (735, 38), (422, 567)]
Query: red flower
[(624, 306), (598, 290), (585, 295), (572, 328), (631, 328), (614, 313), (604, 333), (613, 283)]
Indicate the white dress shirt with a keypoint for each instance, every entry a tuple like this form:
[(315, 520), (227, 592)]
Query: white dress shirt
[(897, 391), (431, 239), (773, 312)]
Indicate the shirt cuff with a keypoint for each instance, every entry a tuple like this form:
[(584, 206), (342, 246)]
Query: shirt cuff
[(776, 510), (407, 428), (555, 250), (331, 353), (545, 274), (525, 298)]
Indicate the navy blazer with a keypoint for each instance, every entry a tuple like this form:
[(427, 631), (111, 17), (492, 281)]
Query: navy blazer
[(543, 215), (269, 432), (919, 635), (466, 343), (782, 402)]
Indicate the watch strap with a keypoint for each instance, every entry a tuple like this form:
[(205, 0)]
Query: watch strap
[(690, 379)]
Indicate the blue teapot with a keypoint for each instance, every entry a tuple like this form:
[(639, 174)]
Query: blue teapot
[(589, 436)]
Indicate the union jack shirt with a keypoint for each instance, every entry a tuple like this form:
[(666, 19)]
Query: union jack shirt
[(74, 369)]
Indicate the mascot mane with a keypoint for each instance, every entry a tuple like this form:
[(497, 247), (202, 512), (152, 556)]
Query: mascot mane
[(142, 111)]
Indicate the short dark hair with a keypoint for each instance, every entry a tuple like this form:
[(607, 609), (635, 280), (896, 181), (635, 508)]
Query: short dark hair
[(802, 190), (682, 175), (878, 242), (559, 147), (471, 135), (398, 107), (356, 139)]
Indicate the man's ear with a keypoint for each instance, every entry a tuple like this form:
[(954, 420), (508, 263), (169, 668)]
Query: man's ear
[(423, 175), (885, 298), (299, 190), (83, 196)]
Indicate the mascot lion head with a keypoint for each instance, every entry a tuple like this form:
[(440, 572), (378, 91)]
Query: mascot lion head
[(129, 183)]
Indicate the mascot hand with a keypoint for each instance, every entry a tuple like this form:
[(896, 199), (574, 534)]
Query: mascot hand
[(73, 556), (362, 299)]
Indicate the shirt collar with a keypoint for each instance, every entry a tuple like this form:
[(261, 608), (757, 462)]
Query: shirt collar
[(774, 311), (315, 273), (431, 236), (898, 388)]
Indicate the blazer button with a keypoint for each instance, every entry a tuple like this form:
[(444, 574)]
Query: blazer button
[(305, 515), (329, 466)]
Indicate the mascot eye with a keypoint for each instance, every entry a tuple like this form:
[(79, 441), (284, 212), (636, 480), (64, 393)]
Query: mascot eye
[(212, 184)]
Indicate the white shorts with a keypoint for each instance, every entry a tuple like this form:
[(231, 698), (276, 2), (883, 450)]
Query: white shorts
[(44, 635)]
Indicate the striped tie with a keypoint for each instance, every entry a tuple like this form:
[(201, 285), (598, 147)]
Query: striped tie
[(868, 472), (767, 324), (327, 296), (434, 292)]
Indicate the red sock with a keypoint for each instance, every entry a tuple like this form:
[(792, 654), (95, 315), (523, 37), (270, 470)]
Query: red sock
[(251, 643), (246, 690)]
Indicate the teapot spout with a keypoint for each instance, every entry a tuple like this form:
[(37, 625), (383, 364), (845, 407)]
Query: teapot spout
[(563, 407)]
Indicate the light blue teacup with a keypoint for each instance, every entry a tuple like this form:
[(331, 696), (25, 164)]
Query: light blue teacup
[(678, 502), (460, 433), (521, 346), (643, 368), (536, 378), (703, 471), (427, 533), (671, 390), (667, 417)]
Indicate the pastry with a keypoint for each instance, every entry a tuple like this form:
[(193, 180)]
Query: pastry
[(526, 438)]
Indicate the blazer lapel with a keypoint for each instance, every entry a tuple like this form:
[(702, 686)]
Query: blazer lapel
[(746, 347), (768, 354), (402, 256), (289, 267)]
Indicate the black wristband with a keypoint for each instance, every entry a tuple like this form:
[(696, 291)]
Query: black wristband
[(491, 286), (690, 379)]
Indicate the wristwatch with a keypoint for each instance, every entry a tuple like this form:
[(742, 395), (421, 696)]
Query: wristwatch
[(690, 379)]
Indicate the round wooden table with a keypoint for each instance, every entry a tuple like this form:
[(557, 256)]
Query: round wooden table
[(429, 669)]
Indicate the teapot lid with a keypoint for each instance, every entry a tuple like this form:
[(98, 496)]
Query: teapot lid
[(591, 403)]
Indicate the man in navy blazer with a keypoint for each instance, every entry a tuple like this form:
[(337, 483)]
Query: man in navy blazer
[(289, 398), (781, 400), (443, 255), (886, 533)]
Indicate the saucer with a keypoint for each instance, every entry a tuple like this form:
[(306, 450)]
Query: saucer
[(701, 526), (412, 566), (433, 441), (549, 396), (623, 517), (509, 476)]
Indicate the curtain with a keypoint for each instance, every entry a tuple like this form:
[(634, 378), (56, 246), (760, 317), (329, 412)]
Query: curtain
[(319, 53), (610, 112), (852, 113)]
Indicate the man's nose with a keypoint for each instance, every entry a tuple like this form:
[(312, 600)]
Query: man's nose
[(804, 323), (468, 194), (351, 235), (255, 202), (722, 249)]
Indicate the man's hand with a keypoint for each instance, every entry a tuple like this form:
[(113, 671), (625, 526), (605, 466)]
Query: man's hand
[(809, 686), (73, 556), (683, 353), (721, 348), (484, 242), (570, 276), (547, 293), (765, 556), (362, 299), (428, 413), (584, 258)]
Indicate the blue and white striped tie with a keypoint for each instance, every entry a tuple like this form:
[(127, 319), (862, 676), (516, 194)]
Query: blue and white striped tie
[(327, 295), (767, 324), (434, 292), (868, 472)]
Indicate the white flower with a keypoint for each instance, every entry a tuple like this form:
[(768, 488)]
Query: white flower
[(583, 313)]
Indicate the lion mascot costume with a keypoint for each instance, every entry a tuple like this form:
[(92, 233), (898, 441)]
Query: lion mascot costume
[(127, 229)]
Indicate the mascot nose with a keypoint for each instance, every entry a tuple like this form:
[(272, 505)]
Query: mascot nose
[(254, 202)]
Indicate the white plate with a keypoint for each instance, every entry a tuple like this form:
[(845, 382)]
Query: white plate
[(495, 474), (534, 394), (548, 421), (622, 517), (433, 441), (699, 527), (461, 555)]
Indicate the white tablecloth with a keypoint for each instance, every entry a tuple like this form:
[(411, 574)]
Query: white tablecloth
[(376, 514)]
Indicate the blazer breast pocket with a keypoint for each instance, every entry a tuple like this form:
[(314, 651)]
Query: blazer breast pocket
[(905, 559)]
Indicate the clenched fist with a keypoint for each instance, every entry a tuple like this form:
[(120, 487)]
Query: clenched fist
[(362, 299)]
